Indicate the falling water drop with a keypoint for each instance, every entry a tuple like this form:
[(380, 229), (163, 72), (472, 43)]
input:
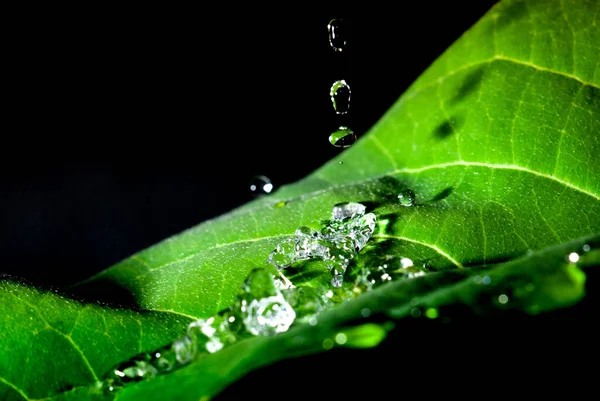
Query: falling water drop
[(340, 96), (407, 197), (342, 138), (260, 185), (336, 28)]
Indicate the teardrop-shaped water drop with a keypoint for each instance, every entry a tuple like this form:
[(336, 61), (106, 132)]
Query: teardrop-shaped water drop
[(342, 138), (337, 34), (340, 96), (407, 197), (260, 185)]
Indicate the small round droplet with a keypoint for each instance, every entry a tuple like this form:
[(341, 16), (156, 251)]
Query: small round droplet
[(406, 263), (327, 344), (503, 299), (337, 34), (341, 338), (586, 248), (407, 197), (340, 96), (261, 185), (573, 257), (341, 162), (486, 280), (432, 313), (342, 138), (337, 280)]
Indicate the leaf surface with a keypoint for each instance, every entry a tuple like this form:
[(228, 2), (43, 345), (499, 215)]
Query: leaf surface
[(499, 139)]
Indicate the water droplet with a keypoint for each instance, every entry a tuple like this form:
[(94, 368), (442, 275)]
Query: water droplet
[(407, 197), (306, 301), (573, 257), (336, 29), (406, 262), (365, 312), (337, 280), (432, 313), (340, 96), (342, 138), (586, 248), (341, 338), (503, 299), (268, 316), (327, 344), (477, 279), (185, 349), (280, 204), (347, 210), (312, 321), (214, 333), (284, 254), (486, 280), (260, 185), (415, 312), (341, 162)]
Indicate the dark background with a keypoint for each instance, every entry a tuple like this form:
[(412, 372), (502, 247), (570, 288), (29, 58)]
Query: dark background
[(124, 126)]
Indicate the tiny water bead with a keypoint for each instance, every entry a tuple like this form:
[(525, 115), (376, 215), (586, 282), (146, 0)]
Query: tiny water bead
[(260, 185), (344, 137), (340, 96), (337, 34), (573, 257), (407, 197)]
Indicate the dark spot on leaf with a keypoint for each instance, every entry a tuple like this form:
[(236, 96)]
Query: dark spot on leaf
[(448, 127), (469, 85), (510, 13), (443, 194)]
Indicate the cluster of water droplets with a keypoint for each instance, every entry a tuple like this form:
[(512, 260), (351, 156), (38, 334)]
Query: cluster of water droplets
[(340, 91), (338, 242), (268, 304)]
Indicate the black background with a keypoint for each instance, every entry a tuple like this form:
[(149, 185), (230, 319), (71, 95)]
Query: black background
[(126, 125)]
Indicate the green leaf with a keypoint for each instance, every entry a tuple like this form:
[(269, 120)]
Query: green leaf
[(51, 344), (498, 139)]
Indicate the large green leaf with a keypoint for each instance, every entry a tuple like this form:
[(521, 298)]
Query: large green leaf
[(499, 141)]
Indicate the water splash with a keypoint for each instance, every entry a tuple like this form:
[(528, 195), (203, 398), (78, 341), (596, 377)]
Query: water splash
[(266, 304), (338, 242)]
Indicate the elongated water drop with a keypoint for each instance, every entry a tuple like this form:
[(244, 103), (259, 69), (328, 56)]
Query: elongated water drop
[(346, 210), (337, 34), (260, 185), (342, 138), (340, 96), (407, 197)]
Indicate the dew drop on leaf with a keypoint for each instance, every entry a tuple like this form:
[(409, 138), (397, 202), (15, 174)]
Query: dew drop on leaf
[(342, 138), (337, 34), (261, 185), (406, 197)]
